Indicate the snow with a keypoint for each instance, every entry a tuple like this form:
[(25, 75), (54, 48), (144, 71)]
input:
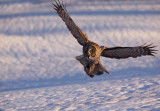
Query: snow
[(127, 94), (38, 70)]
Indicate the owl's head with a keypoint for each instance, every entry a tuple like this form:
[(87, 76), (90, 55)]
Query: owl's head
[(89, 50)]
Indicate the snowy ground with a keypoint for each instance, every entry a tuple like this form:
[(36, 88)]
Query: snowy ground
[(37, 66), (140, 94)]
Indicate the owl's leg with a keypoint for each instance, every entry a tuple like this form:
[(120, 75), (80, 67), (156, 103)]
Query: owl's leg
[(91, 68)]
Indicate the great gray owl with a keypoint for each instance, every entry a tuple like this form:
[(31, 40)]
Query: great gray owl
[(92, 51)]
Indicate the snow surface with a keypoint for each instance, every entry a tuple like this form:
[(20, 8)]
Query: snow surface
[(140, 94), (38, 70)]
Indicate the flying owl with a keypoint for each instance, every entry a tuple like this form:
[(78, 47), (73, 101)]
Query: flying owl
[(90, 58)]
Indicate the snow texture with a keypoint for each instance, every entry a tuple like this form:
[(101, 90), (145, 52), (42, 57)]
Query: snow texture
[(38, 70)]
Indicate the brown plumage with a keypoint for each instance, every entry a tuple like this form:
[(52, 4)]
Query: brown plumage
[(92, 51)]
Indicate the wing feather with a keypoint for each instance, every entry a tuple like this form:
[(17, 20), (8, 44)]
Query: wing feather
[(73, 28), (126, 52)]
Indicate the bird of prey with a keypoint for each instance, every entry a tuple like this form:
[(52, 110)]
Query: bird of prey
[(90, 58)]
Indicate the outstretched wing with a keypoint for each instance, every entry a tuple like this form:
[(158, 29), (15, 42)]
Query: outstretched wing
[(74, 29), (125, 52)]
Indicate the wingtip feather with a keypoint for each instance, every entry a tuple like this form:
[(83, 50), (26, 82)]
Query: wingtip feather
[(151, 49), (57, 4)]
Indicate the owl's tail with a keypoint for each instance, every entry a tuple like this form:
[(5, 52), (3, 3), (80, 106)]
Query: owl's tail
[(99, 69)]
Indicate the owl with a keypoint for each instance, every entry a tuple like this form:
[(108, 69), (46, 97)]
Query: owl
[(92, 52)]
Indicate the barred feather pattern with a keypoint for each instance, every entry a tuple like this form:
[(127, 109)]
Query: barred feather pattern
[(126, 52), (73, 28)]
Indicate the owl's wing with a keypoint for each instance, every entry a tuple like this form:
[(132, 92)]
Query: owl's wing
[(125, 52), (73, 28)]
